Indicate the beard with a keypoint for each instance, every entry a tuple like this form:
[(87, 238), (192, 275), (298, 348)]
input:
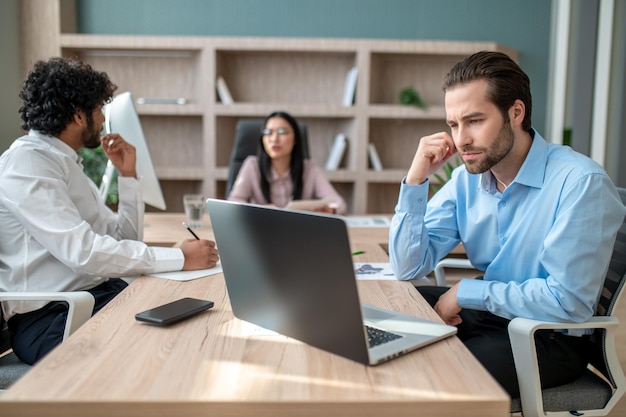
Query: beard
[(501, 148), (90, 136)]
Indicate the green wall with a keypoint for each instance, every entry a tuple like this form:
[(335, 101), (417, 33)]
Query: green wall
[(10, 81), (523, 25)]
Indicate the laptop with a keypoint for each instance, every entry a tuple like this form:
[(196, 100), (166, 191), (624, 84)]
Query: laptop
[(292, 272)]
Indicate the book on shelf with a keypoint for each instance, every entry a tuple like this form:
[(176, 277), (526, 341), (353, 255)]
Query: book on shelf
[(349, 89), (336, 153), (374, 158), (223, 92)]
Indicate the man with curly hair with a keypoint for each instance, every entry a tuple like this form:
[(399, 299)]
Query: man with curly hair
[(57, 233)]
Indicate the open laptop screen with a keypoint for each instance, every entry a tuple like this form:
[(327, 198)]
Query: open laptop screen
[(291, 272)]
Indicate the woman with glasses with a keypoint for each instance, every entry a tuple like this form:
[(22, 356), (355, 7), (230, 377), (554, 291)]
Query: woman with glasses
[(279, 174)]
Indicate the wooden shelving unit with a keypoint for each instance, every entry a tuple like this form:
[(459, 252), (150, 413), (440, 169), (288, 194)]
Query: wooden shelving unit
[(191, 143)]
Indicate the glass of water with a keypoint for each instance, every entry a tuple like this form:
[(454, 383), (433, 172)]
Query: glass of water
[(194, 209)]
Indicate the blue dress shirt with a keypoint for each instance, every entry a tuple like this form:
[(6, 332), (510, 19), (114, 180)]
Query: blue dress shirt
[(544, 243)]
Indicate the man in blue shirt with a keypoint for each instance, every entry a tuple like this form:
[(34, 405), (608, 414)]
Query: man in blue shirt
[(539, 219)]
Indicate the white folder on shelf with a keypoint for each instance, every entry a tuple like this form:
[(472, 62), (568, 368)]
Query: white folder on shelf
[(223, 92), (374, 158), (349, 89), (336, 152)]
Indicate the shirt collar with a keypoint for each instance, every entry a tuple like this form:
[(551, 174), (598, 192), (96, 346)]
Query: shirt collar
[(57, 144), (533, 169), (276, 177)]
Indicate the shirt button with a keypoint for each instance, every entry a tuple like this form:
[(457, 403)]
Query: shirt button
[(502, 204)]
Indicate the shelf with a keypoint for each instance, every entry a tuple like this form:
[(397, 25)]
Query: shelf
[(382, 197), (396, 140), (191, 143), (341, 175), (392, 72), (295, 109), (347, 191), (396, 111), (220, 173), (180, 173), (386, 175), (294, 76), (173, 192), (169, 109), (147, 73), (175, 143), (139, 44)]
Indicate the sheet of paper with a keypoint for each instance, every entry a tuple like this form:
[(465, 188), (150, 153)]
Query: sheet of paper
[(373, 270), (189, 275), (367, 221)]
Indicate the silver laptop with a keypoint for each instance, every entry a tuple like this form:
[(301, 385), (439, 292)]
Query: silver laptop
[(292, 272)]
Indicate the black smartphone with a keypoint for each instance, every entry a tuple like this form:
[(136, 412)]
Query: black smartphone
[(175, 311)]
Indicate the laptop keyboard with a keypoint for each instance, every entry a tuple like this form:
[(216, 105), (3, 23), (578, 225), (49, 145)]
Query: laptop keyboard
[(378, 337)]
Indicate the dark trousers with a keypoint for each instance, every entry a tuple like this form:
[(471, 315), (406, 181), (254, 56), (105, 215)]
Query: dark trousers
[(36, 333), (561, 358)]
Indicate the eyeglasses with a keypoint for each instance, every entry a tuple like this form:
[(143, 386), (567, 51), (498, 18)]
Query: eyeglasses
[(281, 131)]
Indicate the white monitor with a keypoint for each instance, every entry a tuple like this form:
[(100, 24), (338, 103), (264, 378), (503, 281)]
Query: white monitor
[(121, 117)]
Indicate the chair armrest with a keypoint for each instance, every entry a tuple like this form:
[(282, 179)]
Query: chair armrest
[(440, 275), (80, 305), (521, 334)]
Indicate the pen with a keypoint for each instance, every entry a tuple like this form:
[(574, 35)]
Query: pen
[(359, 252), (191, 231)]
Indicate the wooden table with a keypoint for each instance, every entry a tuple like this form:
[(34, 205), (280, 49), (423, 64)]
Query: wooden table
[(166, 229), (209, 366)]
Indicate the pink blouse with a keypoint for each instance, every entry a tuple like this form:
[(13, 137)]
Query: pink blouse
[(247, 187)]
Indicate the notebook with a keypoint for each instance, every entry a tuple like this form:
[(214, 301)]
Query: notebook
[(292, 272)]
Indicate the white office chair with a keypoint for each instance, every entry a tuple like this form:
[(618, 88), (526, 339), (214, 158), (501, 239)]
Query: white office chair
[(80, 309), (440, 272), (603, 384)]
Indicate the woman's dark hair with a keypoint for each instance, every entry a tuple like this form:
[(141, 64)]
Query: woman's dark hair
[(297, 159), (507, 81), (55, 90)]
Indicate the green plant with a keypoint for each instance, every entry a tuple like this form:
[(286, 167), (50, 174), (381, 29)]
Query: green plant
[(410, 97), (567, 136), (94, 164), (445, 173)]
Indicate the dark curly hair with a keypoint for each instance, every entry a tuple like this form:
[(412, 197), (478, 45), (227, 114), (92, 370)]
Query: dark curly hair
[(56, 89)]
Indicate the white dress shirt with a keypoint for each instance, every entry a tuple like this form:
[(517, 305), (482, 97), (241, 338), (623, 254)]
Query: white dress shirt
[(57, 234)]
